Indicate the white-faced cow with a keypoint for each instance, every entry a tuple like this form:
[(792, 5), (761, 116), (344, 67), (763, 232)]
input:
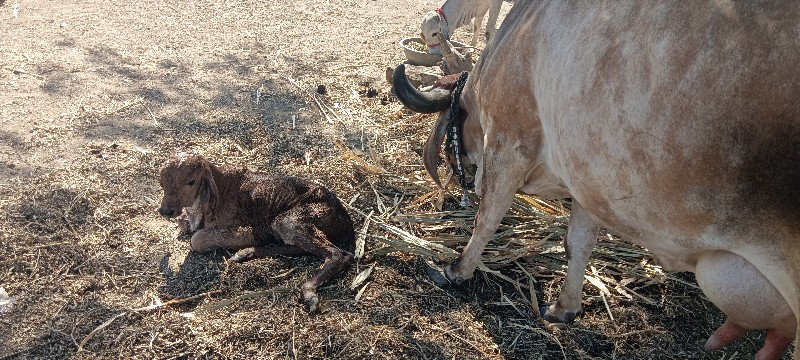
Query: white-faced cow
[(674, 124), (456, 13)]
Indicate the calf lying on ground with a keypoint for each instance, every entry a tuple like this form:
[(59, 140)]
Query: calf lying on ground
[(259, 215)]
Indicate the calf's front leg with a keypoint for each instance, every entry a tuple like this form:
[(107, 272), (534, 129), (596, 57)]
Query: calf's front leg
[(581, 238), (491, 23), (476, 28), (207, 240)]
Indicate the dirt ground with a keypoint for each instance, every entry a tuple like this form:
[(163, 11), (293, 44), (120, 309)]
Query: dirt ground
[(94, 95)]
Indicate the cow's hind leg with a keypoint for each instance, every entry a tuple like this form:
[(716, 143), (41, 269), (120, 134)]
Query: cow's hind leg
[(312, 240), (581, 238)]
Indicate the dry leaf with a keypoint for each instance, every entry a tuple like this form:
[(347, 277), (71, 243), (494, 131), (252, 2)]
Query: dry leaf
[(361, 277)]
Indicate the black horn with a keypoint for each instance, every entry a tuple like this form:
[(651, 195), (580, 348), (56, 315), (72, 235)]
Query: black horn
[(419, 101)]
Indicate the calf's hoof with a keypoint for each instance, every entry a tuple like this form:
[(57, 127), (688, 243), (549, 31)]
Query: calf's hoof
[(552, 313), (242, 255), (311, 302), (444, 277)]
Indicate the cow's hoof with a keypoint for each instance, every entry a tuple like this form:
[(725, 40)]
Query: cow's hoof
[(444, 277), (559, 316), (312, 304)]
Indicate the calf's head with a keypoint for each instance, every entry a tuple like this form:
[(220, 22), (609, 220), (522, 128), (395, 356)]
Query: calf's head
[(427, 102), (432, 26), (187, 181)]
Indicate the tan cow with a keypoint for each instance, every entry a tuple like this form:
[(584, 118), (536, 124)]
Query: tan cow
[(674, 124)]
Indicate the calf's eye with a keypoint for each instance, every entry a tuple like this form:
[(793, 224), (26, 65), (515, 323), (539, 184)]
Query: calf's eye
[(190, 183)]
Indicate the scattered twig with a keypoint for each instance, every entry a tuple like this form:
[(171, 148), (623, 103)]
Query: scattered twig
[(225, 302), (98, 329), (292, 349), (43, 246), (542, 332), (603, 289), (634, 332), (450, 333), (177, 301), (361, 239), (319, 105), (362, 276), (20, 71), (124, 106), (155, 122), (146, 308), (22, 351)]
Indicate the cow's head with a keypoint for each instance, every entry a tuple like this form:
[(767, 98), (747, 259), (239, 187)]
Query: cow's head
[(436, 100), (187, 181)]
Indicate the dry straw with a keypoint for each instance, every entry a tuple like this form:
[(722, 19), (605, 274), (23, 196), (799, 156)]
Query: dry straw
[(529, 243)]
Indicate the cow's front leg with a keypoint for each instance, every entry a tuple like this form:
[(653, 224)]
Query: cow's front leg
[(581, 238), (498, 194)]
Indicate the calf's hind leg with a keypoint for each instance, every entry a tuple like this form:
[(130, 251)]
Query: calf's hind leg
[(312, 240), (259, 252)]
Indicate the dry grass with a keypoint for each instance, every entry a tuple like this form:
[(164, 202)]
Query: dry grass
[(94, 96)]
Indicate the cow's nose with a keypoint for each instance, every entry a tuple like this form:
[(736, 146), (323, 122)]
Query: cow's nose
[(165, 211)]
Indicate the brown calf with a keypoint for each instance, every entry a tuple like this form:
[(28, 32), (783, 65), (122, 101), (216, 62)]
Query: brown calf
[(259, 215)]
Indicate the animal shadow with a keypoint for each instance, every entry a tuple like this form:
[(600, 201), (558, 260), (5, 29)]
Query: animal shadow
[(196, 274)]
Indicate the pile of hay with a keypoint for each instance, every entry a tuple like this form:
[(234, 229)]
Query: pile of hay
[(528, 245)]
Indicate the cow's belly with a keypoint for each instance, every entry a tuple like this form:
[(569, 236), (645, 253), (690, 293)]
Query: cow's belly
[(732, 282)]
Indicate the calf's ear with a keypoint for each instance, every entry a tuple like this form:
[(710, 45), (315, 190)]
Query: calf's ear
[(208, 192)]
